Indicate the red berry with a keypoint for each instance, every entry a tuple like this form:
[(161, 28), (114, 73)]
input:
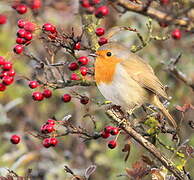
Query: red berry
[(29, 26), (2, 87), (77, 46), (48, 128), (101, 11), (73, 66), (20, 40), (7, 80), (176, 34), (90, 10), (18, 49), (21, 23), (21, 8), (3, 73), (11, 72), (33, 84), (28, 35), (85, 3), (7, 65), (74, 77), (47, 93), (84, 71), (164, 2), (15, 139), (84, 100), (53, 141), (114, 131), (2, 60), (95, 2), (21, 33), (49, 27), (112, 144), (102, 41), (51, 122), (105, 135), (36, 4), (3, 19), (37, 96), (46, 143), (83, 60), (108, 129), (66, 98), (100, 31)]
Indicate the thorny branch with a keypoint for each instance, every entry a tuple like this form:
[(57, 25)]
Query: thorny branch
[(118, 118)]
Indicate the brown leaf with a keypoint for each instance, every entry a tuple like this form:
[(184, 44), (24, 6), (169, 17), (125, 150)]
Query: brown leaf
[(185, 107), (127, 148)]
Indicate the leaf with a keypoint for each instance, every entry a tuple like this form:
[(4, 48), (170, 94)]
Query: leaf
[(158, 174), (89, 171), (127, 148), (185, 107)]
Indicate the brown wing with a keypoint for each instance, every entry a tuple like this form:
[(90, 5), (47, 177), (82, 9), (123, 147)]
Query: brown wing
[(143, 73)]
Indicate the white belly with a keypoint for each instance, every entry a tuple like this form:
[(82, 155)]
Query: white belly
[(123, 91)]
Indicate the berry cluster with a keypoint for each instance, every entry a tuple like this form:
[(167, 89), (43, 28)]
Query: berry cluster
[(24, 35), (83, 99), (110, 130), (22, 8), (37, 95), (50, 30), (48, 128), (100, 32), (7, 73), (95, 7)]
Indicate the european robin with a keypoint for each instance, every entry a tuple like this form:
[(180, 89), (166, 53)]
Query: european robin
[(127, 80)]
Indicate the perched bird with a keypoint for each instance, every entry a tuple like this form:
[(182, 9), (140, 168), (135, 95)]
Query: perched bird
[(127, 80)]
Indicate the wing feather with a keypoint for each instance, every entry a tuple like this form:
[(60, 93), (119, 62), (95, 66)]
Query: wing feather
[(143, 73)]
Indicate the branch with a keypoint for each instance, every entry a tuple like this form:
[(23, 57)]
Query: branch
[(126, 126), (154, 13)]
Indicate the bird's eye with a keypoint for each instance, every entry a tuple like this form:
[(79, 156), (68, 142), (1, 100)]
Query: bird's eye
[(109, 54)]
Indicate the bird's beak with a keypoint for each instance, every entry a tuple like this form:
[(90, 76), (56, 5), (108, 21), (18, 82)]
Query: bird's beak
[(93, 55)]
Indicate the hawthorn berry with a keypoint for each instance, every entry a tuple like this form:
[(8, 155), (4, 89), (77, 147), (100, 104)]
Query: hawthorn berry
[(37, 96), (18, 49), (29, 26), (102, 41), (7, 80), (100, 31), (48, 128), (176, 34), (28, 36), (83, 60), (21, 33), (73, 66), (21, 23), (112, 144), (84, 100), (101, 11), (108, 129), (7, 65), (84, 71), (164, 2), (11, 72), (20, 40), (21, 8), (105, 135), (114, 131), (66, 98), (15, 139), (33, 84), (93, 2), (3, 19), (49, 27), (46, 143), (85, 3), (2, 87), (47, 93), (53, 141), (3, 73), (90, 10), (51, 122), (77, 46), (36, 4), (74, 77)]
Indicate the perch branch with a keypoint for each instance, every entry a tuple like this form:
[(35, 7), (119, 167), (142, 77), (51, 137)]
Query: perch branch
[(126, 126)]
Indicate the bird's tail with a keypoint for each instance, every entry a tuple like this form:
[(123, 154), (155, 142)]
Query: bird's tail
[(158, 104)]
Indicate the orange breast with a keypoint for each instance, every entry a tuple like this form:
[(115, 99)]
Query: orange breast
[(105, 69)]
